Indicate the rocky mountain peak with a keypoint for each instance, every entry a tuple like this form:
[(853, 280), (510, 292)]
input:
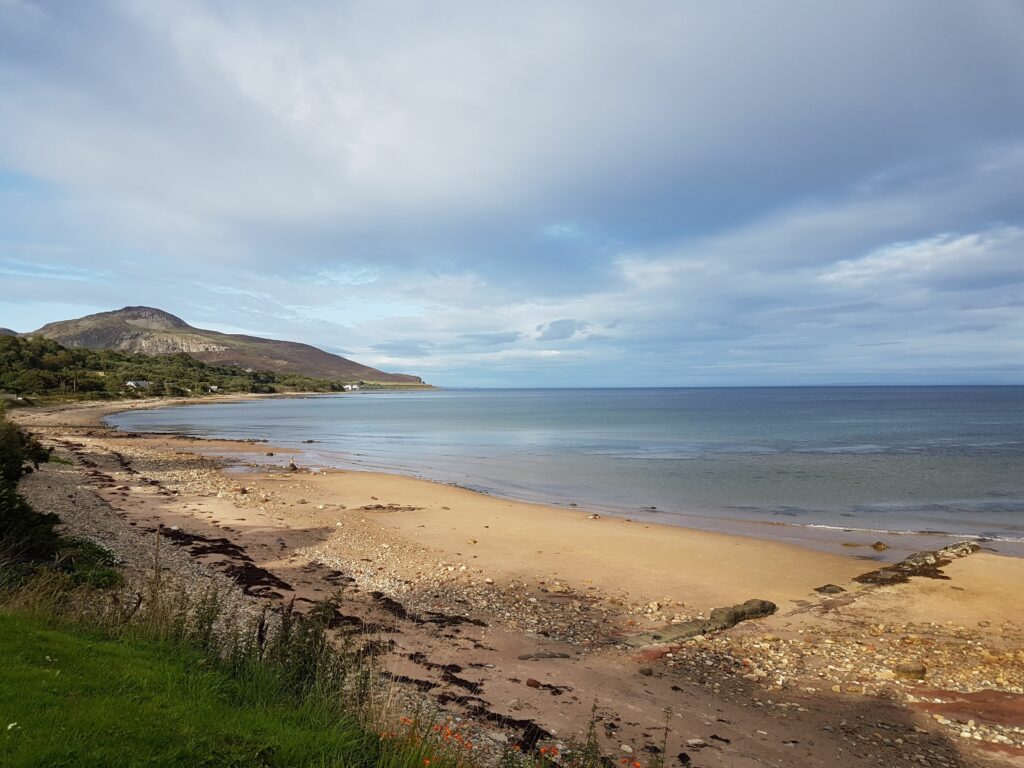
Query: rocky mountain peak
[(145, 317)]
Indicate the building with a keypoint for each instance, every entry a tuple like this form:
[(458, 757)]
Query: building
[(137, 384)]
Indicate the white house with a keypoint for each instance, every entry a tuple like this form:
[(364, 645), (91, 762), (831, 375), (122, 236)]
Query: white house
[(137, 384)]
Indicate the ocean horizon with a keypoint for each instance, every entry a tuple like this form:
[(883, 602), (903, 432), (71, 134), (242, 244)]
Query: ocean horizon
[(939, 460)]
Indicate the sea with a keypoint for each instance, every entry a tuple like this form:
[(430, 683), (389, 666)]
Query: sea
[(814, 465)]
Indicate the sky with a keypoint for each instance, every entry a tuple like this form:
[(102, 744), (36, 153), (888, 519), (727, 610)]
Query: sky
[(571, 193)]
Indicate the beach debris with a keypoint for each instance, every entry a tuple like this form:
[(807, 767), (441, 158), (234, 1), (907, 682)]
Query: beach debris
[(292, 466), (829, 589), (926, 564), (543, 655), (593, 517), (387, 508)]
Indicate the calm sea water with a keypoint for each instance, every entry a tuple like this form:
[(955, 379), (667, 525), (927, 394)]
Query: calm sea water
[(945, 459)]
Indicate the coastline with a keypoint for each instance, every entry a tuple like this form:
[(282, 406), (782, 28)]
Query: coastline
[(831, 537), (547, 580)]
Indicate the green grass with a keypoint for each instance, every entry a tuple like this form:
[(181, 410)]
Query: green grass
[(81, 699)]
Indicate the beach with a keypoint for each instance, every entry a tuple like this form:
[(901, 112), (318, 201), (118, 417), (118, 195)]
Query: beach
[(523, 616)]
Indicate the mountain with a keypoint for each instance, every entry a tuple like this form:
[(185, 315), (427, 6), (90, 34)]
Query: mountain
[(149, 331), (7, 332)]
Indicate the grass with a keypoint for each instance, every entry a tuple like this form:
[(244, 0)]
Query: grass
[(73, 697)]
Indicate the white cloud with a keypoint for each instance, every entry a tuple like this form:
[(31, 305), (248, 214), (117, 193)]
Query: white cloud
[(945, 259)]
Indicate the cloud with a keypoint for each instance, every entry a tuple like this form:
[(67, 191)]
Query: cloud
[(948, 261), (557, 330), (529, 193)]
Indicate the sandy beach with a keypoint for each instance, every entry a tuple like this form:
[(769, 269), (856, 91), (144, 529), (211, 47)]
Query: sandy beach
[(524, 617)]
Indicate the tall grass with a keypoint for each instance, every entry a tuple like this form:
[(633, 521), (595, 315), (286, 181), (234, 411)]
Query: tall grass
[(214, 653)]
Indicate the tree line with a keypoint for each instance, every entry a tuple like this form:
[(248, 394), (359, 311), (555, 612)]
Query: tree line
[(39, 366)]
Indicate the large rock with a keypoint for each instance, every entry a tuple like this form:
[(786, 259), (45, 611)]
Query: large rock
[(720, 619)]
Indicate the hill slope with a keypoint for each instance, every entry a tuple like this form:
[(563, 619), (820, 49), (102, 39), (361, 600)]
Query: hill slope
[(148, 331)]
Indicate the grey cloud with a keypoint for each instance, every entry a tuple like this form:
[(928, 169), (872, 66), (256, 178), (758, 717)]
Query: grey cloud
[(557, 330)]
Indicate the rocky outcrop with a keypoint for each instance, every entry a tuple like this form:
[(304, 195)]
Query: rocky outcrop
[(927, 564), (720, 619), (149, 331)]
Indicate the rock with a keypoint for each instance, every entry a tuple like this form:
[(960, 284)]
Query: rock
[(626, 748), (543, 655), (269, 453), (646, 671), (911, 671), (593, 517), (696, 743), (879, 546), (292, 466), (684, 759), (721, 618), (829, 589), (927, 564), (531, 683)]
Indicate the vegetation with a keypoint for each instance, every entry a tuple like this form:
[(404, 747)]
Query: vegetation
[(39, 367), (24, 533), (74, 698)]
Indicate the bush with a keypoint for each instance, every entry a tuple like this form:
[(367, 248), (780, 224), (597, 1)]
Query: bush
[(24, 533)]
